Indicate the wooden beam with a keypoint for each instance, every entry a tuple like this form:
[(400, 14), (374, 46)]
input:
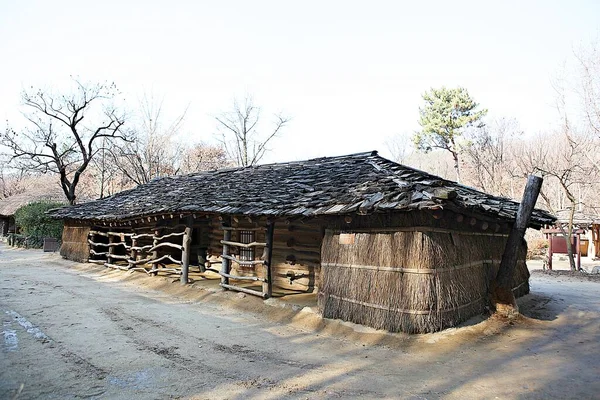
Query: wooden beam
[(225, 265), (132, 253), (163, 258), (242, 262), (155, 253), (240, 244), (111, 249), (170, 235), (230, 228), (268, 253), (166, 244), (243, 290), (185, 253), (242, 278)]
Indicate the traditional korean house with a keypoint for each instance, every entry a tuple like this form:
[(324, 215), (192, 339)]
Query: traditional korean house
[(586, 236), (9, 205), (381, 244)]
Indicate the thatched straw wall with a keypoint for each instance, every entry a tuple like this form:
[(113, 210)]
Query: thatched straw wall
[(410, 281), (74, 242)]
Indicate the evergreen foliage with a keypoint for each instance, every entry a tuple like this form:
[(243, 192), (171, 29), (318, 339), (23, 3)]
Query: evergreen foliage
[(447, 112), (34, 222)]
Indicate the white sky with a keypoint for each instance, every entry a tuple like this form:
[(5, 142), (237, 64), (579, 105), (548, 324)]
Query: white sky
[(351, 74)]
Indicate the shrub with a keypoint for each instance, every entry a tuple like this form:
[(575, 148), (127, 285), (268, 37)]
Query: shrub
[(537, 249), (35, 223), (16, 240)]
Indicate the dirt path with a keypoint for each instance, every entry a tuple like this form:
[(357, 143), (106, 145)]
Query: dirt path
[(79, 331)]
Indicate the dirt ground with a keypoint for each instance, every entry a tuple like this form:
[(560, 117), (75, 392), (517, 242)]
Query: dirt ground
[(81, 331)]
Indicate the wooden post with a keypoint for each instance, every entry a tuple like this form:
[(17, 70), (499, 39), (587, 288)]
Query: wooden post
[(225, 263), (202, 259), (578, 238), (111, 249), (185, 253), (155, 253), (551, 236), (132, 253), (268, 284), (502, 296)]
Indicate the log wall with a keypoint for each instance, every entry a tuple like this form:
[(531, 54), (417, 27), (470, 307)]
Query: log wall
[(297, 255), (296, 251)]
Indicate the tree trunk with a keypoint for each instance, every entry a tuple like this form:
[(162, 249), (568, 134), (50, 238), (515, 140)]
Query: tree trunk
[(569, 237), (456, 165)]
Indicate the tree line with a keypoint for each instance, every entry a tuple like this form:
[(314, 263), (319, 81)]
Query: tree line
[(95, 148), (456, 141)]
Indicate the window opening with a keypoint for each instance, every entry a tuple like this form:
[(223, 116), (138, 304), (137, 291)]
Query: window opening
[(246, 253)]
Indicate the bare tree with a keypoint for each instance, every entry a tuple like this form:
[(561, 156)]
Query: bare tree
[(203, 157), (487, 159), (587, 88), (154, 153), (64, 130), (561, 161), (588, 85), (400, 147), (11, 181), (149, 157), (240, 134), (105, 177)]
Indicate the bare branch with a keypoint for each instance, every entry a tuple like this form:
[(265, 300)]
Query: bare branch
[(240, 135), (59, 142)]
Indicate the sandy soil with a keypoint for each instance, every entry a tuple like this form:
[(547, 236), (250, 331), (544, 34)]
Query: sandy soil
[(81, 331)]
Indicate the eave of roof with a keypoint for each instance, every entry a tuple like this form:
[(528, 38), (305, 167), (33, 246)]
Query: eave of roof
[(357, 183)]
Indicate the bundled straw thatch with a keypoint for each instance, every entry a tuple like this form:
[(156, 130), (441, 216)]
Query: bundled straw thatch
[(75, 242), (410, 281)]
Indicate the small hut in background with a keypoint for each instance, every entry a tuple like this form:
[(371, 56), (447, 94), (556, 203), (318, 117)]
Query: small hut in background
[(379, 243), (10, 205), (585, 241)]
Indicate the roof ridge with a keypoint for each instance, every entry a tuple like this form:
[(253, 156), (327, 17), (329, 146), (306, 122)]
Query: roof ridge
[(329, 158), (279, 164)]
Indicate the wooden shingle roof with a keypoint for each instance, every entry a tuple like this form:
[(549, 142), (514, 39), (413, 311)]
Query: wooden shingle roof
[(358, 183)]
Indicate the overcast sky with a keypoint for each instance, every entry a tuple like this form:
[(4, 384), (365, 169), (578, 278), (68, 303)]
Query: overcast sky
[(351, 74)]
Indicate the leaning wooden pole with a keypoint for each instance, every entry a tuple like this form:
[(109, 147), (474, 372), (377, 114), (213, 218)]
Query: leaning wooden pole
[(503, 298)]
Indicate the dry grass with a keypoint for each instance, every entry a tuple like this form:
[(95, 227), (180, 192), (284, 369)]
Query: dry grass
[(409, 301), (538, 248), (74, 243)]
